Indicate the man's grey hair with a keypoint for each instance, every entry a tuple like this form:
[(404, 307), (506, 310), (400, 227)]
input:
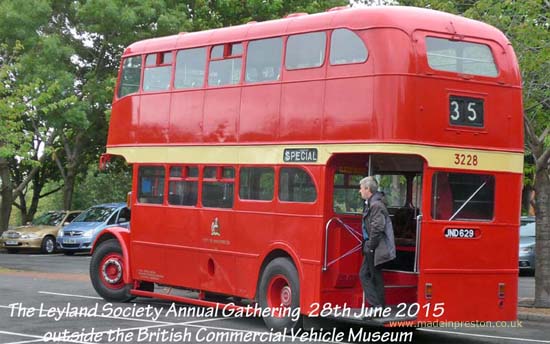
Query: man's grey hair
[(369, 183)]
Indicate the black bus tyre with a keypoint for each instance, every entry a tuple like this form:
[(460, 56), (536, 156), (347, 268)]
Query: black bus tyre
[(279, 289), (48, 245), (107, 272)]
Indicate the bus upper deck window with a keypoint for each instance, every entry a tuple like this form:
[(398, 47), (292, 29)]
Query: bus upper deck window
[(131, 76), (461, 57), (346, 47), (263, 60), (225, 64), (158, 71), (190, 68), (305, 50)]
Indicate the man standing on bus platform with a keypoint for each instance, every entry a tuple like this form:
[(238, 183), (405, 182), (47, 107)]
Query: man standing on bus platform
[(378, 241)]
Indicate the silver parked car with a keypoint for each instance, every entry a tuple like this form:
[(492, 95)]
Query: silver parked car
[(527, 246)]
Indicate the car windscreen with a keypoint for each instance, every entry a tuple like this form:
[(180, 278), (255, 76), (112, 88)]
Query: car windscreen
[(95, 214), (49, 219), (527, 230)]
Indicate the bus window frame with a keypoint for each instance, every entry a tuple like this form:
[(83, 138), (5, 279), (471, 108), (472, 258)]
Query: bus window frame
[(247, 200), (278, 184), (429, 193), (325, 57), (204, 85), (419, 42), (358, 34), (119, 76), (242, 56), (246, 45), (165, 186), (218, 179), (170, 88), (183, 178)]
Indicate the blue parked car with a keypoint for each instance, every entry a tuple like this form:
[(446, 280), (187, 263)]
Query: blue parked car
[(80, 234)]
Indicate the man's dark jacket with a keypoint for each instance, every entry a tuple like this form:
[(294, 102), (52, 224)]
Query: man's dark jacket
[(380, 230)]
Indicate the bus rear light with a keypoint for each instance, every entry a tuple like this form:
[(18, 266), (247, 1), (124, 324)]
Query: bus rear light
[(129, 200), (501, 287), (428, 291)]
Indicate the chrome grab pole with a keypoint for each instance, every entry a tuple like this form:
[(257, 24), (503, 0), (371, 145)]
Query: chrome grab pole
[(417, 248)]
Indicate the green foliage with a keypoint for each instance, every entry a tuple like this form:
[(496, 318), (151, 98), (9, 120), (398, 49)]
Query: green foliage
[(103, 187)]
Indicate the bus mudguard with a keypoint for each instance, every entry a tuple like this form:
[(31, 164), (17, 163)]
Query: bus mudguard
[(122, 235)]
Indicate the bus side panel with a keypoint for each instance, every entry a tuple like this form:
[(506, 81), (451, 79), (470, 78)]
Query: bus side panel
[(221, 113), (301, 110), (465, 273), (182, 255), (125, 114), (186, 116), (468, 297), (148, 236), (259, 116), (154, 118)]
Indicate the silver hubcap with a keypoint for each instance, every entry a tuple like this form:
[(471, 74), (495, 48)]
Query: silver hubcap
[(118, 267), (49, 245), (286, 296)]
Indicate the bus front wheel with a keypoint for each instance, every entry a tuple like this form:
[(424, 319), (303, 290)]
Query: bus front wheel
[(107, 271), (279, 291)]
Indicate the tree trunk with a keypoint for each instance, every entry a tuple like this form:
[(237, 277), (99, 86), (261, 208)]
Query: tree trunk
[(6, 190), (38, 184), (68, 188), (542, 251), (23, 209)]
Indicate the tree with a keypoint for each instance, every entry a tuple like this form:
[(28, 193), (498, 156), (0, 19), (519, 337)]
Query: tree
[(64, 82), (527, 25)]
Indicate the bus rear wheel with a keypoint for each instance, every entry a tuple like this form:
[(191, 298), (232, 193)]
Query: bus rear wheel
[(279, 291), (107, 272)]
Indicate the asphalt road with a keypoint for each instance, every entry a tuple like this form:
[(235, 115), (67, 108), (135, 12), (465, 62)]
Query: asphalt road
[(47, 298)]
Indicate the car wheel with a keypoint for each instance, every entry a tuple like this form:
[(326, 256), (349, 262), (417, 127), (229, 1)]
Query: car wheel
[(279, 291), (107, 272), (48, 245)]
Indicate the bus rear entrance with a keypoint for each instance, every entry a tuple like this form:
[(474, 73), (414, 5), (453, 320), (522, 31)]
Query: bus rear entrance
[(446, 227), (400, 178)]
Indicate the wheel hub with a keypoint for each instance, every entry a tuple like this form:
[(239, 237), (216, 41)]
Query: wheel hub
[(286, 296), (112, 270)]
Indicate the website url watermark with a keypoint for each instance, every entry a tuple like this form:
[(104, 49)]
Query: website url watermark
[(458, 324)]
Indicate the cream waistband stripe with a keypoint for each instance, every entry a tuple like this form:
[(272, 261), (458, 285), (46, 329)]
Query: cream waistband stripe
[(442, 157)]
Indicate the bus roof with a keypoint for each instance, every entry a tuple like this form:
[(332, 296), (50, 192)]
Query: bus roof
[(407, 19)]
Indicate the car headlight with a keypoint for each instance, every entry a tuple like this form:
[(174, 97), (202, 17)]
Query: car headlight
[(88, 234), (60, 232), (29, 236), (527, 249), (5, 234)]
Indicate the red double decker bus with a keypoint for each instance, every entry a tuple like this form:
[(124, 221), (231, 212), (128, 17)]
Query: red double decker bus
[(248, 143)]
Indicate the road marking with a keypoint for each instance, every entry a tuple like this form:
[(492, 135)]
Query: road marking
[(484, 336), (72, 295), (46, 275), (39, 338)]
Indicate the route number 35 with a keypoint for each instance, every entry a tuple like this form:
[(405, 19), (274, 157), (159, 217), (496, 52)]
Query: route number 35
[(466, 111)]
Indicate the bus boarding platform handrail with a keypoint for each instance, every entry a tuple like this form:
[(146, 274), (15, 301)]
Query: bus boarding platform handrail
[(417, 249), (350, 230)]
